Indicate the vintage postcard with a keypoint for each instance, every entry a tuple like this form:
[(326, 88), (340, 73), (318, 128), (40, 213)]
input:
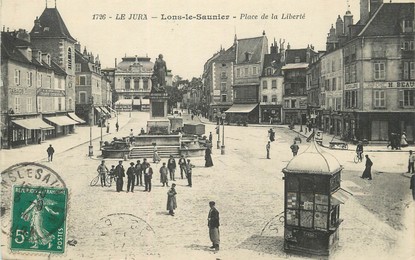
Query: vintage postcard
[(188, 129)]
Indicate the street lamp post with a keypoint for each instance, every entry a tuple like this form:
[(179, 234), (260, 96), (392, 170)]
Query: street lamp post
[(100, 126), (91, 120), (222, 148)]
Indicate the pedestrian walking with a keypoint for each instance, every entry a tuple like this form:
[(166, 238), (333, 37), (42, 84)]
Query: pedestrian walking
[(411, 161), (50, 152), (163, 175), (111, 173), (192, 116), (171, 199), (156, 156), (268, 147), (213, 224), (102, 171), (359, 151), (404, 142), (119, 174), (117, 126), (412, 186), (368, 168), (294, 148), (182, 164), (171, 165), (138, 174), (210, 137), (130, 177), (271, 135), (108, 127), (148, 175), (189, 167), (208, 157)]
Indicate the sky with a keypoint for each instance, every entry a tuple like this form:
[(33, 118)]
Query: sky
[(185, 44)]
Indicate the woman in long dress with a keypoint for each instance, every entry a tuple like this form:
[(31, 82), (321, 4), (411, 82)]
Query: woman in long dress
[(404, 142), (156, 156), (171, 199), (367, 173), (208, 157), (34, 213)]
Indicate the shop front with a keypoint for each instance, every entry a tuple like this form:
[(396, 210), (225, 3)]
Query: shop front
[(63, 125), (296, 116), (378, 127), (270, 114), (25, 131), (243, 113)]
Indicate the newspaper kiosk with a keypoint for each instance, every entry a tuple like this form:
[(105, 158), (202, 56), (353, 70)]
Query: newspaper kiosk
[(312, 202)]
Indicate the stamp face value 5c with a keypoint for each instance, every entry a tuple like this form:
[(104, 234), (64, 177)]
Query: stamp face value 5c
[(39, 218)]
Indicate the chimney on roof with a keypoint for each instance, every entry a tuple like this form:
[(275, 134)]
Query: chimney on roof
[(263, 32), (78, 46), (37, 27), (235, 39), (288, 46), (23, 35), (273, 49), (348, 21), (7, 29), (364, 11), (339, 26), (85, 53), (115, 63)]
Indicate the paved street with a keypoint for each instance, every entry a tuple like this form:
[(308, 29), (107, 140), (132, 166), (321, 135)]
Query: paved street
[(247, 188)]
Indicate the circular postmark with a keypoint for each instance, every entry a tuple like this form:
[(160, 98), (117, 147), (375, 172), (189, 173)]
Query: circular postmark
[(124, 233), (26, 174)]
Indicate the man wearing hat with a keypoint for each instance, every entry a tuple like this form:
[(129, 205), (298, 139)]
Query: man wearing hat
[(189, 167), (131, 177), (119, 174), (102, 171), (138, 174), (182, 163), (171, 165), (213, 224), (148, 175)]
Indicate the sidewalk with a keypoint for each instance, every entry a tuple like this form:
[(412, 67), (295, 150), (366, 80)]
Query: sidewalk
[(37, 152)]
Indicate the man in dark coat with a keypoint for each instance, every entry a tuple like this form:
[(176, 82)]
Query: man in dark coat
[(148, 175), (268, 147), (189, 167), (171, 199), (182, 163), (412, 186), (294, 148), (163, 175), (213, 224), (138, 174), (50, 151), (368, 168), (131, 177), (171, 165), (119, 174), (210, 137)]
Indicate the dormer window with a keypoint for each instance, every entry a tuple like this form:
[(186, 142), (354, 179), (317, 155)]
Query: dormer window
[(29, 54), (248, 56), (39, 56), (269, 72), (46, 29), (48, 59)]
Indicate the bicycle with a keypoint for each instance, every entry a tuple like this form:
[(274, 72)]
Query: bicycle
[(358, 157), (108, 180)]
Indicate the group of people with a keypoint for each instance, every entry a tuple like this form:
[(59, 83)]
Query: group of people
[(397, 141), (271, 136)]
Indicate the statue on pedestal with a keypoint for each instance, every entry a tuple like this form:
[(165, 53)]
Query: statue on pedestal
[(158, 79)]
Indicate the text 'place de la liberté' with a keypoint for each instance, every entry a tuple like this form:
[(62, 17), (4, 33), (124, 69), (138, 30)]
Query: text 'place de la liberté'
[(197, 17)]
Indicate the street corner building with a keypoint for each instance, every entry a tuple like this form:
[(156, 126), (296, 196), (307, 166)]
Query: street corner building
[(41, 72)]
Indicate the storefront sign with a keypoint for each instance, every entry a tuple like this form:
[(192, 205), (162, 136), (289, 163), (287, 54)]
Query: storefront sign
[(46, 92), (393, 84), (351, 86), (216, 92), (18, 91)]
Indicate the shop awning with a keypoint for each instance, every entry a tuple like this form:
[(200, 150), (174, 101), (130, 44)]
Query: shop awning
[(106, 110), (241, 108), (33, 124), (62, 120), (76, 118), (340, 196)]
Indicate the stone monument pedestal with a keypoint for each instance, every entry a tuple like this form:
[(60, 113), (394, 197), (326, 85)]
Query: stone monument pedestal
[(158, 123)]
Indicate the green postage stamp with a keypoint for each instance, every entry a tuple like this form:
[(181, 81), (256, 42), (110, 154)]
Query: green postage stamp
[(38, 219)]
